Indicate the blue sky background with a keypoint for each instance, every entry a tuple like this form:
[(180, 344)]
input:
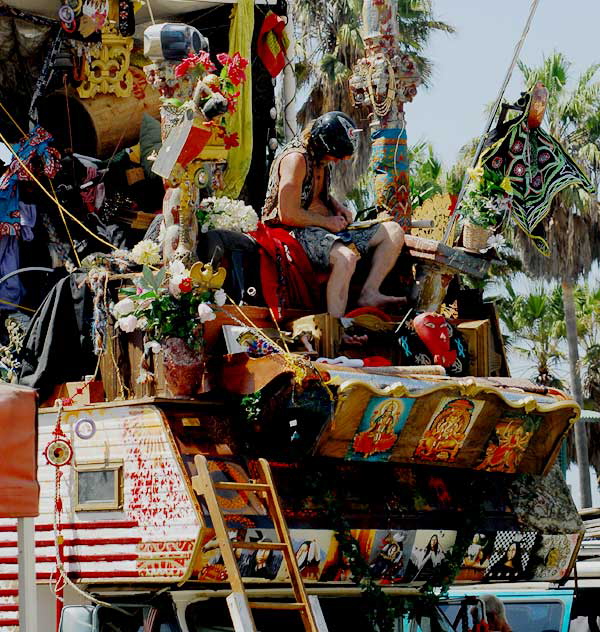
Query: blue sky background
[(469, 67)]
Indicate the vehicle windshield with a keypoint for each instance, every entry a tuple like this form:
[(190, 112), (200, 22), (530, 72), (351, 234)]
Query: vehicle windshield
[(340, 613), (524, 616)]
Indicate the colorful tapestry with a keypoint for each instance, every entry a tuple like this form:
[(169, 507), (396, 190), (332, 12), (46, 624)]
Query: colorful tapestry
[(538, 168)]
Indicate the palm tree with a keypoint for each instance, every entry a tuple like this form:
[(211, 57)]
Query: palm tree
[(329, 35), (533, 324), (572, 228)]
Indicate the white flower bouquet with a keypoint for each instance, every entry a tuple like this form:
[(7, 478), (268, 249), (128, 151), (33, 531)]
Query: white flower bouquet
[(223, 213)]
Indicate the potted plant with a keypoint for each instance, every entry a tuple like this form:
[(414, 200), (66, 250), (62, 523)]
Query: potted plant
[(484, 208), (170, 307)]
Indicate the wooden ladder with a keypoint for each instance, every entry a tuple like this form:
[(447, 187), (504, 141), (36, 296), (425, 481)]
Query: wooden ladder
[(239, 606)]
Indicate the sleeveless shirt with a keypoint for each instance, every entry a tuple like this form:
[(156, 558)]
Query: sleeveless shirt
[(270, 211)]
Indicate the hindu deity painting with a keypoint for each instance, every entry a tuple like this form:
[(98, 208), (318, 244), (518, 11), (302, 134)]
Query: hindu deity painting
[(509, 441), (448, 428), (379, 428)]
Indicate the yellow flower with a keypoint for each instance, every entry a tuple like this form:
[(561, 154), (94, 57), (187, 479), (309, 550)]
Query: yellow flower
[(475, 173), (506, 185)]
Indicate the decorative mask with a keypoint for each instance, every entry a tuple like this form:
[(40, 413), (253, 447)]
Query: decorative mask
[(435, 333)]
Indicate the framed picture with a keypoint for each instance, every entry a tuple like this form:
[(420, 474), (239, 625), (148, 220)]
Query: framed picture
[(239, 339)]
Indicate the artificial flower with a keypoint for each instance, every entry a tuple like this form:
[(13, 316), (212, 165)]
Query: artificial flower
[(506, 185), (220, 297), (475, 173), (152, 345), (231, 140), (191, 61), (176, 268), (235, 67), (185, 285), (205, 313), (127, 324), (146, 252), (123, 307), (495, 241)]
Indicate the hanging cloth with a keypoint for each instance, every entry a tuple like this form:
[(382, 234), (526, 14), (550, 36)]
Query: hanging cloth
[(538, 168), (272, 43), (240, 122), (287, 276)]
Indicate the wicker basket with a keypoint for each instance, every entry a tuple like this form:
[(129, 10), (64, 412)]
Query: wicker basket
[(475, 237)]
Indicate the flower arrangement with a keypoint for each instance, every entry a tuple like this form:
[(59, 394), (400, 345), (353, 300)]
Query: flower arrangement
[(232, 74), (488, 200), (174, 302), (226, 214)]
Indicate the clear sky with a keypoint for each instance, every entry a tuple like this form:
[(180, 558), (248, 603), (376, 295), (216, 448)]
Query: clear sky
[(469, 67)]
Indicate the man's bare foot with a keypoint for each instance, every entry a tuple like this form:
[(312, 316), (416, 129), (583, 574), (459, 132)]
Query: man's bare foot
[(371, 298), (354, 341)]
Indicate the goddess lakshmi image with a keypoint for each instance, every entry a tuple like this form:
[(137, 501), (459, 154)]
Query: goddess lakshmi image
[(447, 432), (508, 443), (379, 429)]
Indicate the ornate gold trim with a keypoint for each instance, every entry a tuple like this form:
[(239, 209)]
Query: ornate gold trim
[(108, 72)]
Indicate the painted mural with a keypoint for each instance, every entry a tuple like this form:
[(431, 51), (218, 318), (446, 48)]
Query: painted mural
[(509, 441), (448, 428), (379, 428)]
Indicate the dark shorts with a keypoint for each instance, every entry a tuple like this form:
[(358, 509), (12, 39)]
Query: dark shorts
[(318, 242)]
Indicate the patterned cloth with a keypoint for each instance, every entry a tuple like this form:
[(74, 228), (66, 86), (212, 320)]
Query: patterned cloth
[(318, 242), (538, 168), (36, 145)]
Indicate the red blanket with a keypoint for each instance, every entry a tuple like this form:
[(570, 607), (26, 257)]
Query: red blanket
[(287, 276)]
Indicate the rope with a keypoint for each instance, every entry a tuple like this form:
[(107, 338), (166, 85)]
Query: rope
[(492, 116), (28, 309), (150, 11)]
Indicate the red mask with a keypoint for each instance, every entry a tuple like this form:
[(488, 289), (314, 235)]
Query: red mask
[(434, 332)]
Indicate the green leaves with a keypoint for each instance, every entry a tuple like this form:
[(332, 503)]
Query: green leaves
[(151, 281)]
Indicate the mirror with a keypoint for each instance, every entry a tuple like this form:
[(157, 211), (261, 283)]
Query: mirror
[(78, 619)]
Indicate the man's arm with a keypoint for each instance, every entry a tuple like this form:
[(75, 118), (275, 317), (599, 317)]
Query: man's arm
[(292, 171)]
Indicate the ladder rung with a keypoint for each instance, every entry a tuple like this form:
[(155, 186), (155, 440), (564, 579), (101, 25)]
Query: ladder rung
[(274, 605), (265, 546), (248, 487)]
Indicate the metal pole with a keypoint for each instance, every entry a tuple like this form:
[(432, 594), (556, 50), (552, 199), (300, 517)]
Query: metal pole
[(27, 589), (492, 116)]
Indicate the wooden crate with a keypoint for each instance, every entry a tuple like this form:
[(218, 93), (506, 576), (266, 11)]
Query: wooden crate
[(478, 336)]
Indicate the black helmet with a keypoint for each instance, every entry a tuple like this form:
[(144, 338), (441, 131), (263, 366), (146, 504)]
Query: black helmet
[(334, 134)]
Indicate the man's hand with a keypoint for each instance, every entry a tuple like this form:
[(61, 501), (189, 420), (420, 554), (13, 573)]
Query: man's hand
[(334, 223), (342, 211)]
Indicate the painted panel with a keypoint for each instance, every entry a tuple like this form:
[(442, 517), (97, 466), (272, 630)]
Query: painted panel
[(510, 559), (379, 428), (151, 538), (554, 555), (448, 428), (507, 444), (429, 549)]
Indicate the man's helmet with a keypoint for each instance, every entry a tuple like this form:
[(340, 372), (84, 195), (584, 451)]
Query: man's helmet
[(334, 134)]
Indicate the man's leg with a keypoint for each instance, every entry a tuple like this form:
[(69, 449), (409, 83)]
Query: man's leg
[(387, 243), (343, 263)]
